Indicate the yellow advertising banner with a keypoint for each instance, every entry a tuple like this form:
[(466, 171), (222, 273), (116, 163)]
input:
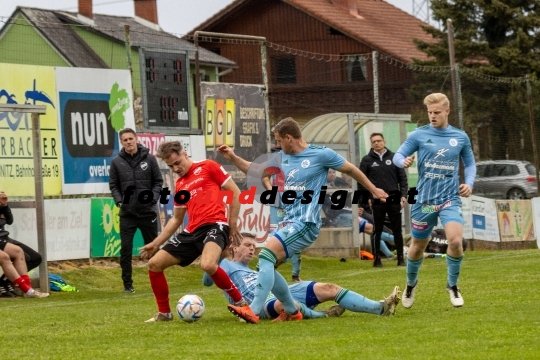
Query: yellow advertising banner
[(515, 219), (31, 85), (230, 109), (210, 122)]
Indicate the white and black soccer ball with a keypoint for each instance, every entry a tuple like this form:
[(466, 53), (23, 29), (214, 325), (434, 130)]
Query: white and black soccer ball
[(190, 308)]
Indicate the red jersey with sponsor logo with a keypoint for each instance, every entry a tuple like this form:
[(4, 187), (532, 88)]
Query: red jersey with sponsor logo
[(203, 181)]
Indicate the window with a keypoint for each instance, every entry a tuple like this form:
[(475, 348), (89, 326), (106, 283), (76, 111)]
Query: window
[(510, 170), (356, 69), (502, 170), (284, 70), (480, 171), (530, 169)]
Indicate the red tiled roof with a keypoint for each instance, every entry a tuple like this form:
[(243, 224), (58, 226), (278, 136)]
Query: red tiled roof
[(384, 27)]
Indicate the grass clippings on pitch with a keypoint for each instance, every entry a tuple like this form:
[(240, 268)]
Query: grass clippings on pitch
[(500, 319)]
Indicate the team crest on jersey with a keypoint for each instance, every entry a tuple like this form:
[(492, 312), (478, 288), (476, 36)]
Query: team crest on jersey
[(305, 164), (388, 162), (144, 165), (453, 142), (197, 171)]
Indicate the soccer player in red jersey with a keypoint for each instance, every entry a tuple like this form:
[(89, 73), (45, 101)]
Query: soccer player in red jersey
[(198, 192)]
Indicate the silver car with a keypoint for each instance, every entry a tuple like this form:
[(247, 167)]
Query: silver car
[(505, 179)]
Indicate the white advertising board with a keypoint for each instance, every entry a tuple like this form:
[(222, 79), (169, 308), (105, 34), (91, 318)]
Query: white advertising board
[(255, 218), (536, 218), (484, 219), (67, 228), (467, 218)]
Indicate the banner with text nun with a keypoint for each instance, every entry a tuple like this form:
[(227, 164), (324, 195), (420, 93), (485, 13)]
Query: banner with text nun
[(94, 105)]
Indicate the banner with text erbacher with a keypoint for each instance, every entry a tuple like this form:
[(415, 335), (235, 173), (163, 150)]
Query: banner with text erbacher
[(28, 85)]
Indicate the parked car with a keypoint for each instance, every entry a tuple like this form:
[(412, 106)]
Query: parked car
[(505, 179)]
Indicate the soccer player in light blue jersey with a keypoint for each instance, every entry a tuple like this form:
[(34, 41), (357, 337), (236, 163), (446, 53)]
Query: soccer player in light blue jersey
[(306, 294), (304, 168), (440, 147)]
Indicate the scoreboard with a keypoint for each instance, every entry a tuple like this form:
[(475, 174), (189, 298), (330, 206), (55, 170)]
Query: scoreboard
[(165, 82)]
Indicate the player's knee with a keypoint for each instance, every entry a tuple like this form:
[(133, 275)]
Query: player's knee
[(4, 257), (13, 251), (455, 243), (209, 267), (331, 289), (268, 255), (17, 251), (154, 265)]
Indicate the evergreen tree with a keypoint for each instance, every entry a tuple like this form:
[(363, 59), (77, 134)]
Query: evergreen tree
[(491, 39)]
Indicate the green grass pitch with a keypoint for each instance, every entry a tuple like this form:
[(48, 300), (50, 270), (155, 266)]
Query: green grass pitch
[(500, 318)]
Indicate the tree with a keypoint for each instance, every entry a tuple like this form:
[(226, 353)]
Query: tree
[(491, 39)]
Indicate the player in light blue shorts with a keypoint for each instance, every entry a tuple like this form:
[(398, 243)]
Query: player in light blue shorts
[(440, 148), (306, 294), (424, 217), (277, 213), (304, 169)]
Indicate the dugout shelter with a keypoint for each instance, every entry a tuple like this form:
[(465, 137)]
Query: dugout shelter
[(339, 131)]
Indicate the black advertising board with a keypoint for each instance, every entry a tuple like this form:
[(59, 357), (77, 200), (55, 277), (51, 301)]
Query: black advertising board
[(234, 114)]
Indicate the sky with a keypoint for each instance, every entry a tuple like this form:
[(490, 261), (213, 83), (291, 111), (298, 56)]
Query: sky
[(190, 13)]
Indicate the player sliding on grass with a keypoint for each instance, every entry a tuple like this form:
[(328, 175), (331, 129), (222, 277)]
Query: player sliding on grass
[(439, 146), (307, 294), (207, 234), (304, 166)]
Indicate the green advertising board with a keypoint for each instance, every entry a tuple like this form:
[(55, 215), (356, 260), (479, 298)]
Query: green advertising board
[(390, 130), (105, 231)]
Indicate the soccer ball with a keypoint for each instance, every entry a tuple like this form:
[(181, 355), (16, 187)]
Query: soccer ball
[(190, 308)]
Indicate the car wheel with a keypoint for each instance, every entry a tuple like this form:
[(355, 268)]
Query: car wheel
[(516, 194)]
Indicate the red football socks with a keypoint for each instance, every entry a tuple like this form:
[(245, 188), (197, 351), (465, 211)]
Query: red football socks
[(161, 290), (223, 281)]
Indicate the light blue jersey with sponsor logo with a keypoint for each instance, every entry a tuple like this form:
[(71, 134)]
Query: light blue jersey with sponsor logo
[(244, 278), (303, 172), (241, 275), (439, 151)]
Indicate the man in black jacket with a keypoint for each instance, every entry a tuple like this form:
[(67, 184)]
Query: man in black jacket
[(382, 172), (135, 182)]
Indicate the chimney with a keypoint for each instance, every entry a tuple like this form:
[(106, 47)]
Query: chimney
[(147, 10), (85, 8)]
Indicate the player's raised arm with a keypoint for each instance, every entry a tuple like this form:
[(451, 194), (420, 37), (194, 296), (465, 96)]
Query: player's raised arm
[(229, 155)]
